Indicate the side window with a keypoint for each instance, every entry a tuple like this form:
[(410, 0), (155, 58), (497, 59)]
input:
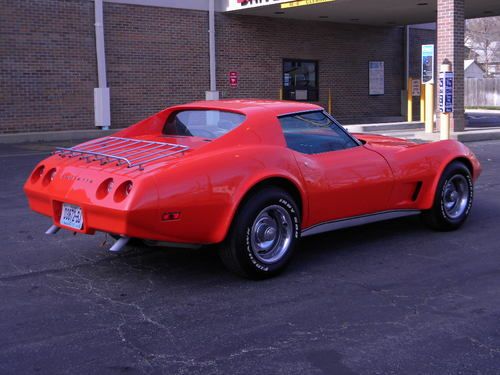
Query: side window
[(314, 133)]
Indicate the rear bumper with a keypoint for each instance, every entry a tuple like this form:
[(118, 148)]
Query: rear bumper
[(95, 218), (143, 221)]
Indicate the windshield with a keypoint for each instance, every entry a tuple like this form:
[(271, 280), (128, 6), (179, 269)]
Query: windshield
[(202, 123)]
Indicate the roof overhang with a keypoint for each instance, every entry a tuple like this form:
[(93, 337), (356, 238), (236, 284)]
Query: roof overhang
[(366, 12)]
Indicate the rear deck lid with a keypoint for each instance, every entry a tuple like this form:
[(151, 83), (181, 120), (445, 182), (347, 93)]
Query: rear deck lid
[(125, 152)]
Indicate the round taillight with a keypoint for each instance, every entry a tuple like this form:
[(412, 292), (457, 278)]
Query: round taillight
[(109, 186), (123, 191), (37, 173), (49, 176), (105, 188), (128, 187)]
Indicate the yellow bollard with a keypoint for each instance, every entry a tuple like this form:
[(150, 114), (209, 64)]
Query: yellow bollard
[(422, 103), (410, 101), (281, 94), (429, 108)]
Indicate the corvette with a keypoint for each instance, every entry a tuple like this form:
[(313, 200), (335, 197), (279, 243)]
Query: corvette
[(251, 176)]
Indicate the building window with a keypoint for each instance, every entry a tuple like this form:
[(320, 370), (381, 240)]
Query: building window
[(300, 80)]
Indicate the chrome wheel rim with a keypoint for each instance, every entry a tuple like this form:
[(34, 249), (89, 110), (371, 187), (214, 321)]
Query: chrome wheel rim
[(456, 196), (271, 234)]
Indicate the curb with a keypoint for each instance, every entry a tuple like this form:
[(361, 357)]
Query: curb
[(486, 111), (466, 136), (362, 128), (62, 135)]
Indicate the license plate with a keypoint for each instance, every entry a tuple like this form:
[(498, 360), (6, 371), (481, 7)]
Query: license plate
[(71, 216)]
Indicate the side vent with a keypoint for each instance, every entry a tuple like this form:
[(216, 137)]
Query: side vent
[(418, 187)]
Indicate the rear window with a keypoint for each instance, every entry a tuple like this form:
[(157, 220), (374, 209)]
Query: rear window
[(209, 124)]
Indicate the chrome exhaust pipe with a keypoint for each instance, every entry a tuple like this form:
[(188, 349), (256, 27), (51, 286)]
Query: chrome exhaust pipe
[(119, 244), (53, 229)]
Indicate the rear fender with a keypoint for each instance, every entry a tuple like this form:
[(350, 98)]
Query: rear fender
[(210, 188), (253, 184)]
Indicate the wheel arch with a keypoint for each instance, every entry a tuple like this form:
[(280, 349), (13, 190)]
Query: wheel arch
[(429, 199), (465, 161), (281, 182)]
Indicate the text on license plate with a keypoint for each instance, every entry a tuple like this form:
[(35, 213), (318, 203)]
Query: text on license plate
[(71, 216)]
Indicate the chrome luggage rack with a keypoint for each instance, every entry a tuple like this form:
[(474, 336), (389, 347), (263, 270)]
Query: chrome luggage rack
[(122, 151)]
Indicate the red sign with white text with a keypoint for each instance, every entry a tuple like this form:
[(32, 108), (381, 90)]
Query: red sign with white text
[(233, 79)]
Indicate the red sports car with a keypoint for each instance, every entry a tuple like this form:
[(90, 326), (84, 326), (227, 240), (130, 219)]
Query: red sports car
[(250, 175)]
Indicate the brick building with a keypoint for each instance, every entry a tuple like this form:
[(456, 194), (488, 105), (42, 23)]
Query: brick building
[(157, 53)]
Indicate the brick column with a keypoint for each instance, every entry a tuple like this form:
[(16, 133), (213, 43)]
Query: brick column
[(450, 45)]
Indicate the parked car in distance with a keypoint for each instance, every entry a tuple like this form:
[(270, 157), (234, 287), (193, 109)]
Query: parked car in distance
[(252, 176)]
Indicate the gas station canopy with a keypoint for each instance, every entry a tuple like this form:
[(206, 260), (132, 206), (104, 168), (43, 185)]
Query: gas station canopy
[(363, 12)]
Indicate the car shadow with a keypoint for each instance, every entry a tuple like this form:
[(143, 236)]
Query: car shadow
[(202, 265)]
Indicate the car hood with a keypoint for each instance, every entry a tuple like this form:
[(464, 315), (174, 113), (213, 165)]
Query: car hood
[(384, 141)]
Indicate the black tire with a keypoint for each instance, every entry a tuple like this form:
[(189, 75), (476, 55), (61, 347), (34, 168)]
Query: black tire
[(444, 215), (267, 218)]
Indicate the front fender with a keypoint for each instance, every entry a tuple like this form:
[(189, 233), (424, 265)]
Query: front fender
[(445, 152)]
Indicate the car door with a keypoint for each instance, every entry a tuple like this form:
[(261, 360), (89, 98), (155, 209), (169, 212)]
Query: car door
[(342, 177)]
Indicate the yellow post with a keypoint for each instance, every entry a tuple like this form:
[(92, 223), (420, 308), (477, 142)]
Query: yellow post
[(330, 101), (444, 118), (281, 94), (429, 107), (422, 103), (410, 100)]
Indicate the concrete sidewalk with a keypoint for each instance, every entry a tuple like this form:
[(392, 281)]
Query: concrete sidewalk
[(490, 111), (415, 131)]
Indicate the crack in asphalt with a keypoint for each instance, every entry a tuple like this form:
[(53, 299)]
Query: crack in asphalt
[(491, 349), (124, 317), (90, 263)]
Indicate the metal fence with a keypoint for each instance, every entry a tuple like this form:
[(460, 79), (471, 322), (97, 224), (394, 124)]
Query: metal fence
[(481, 92)]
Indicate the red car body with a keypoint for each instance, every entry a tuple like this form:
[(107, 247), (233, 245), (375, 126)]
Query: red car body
[(192, 197)]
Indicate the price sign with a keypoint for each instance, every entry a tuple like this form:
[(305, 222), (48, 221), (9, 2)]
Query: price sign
[(446, 92)]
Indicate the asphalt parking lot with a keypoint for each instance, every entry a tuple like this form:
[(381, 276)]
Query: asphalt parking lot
[(387, 298)]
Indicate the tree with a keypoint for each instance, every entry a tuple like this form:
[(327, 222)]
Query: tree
[(482, 36)]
